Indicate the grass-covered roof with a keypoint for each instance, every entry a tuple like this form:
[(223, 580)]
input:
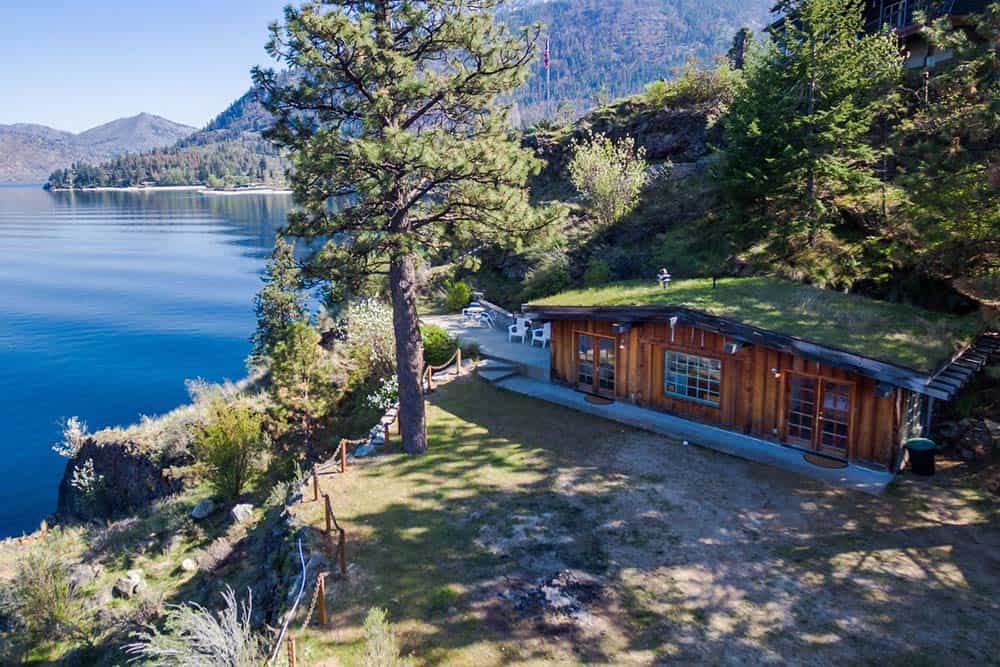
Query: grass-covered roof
[(890, 332)]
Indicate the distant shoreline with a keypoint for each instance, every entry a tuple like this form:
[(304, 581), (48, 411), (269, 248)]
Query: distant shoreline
[(179, 188)]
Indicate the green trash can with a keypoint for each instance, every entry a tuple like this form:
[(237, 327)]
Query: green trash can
[(921, 456)]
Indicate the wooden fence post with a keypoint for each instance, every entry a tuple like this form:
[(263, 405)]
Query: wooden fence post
[(342, 553), (343, 456), (322, 600), (291, 651), (315, 485)]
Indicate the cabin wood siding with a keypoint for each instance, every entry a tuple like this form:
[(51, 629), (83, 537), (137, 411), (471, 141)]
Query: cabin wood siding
[(752, 399)]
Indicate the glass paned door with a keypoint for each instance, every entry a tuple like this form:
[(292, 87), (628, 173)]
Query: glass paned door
[(606, 375), (801, 409), (835, 417), (819, 414), (595, 364), (585, 361)]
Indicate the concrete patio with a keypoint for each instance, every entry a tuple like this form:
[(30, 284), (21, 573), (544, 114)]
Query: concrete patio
[(531, 361)]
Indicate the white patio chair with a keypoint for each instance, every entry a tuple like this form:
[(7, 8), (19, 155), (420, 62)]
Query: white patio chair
[(518, 330), (487, 320), (542, 335)]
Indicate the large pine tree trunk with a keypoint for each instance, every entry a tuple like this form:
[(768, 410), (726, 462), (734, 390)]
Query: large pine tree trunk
[(409, 354)]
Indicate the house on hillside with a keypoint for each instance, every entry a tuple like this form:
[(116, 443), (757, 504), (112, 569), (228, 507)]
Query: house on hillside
[(902, 17), (841, 377)]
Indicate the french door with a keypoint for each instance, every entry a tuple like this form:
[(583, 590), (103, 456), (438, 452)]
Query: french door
[(595, 364), (819, 414)]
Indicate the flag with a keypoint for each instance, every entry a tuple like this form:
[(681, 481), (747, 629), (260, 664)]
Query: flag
[(548, 60)]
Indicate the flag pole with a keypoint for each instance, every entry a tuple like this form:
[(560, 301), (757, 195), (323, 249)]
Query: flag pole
[(548, 78)]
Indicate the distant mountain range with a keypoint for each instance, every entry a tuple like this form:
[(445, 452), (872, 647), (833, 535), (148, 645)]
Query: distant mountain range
[(601, 49), (29, 153)]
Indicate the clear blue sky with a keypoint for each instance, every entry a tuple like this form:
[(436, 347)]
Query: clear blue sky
[(71, 64)]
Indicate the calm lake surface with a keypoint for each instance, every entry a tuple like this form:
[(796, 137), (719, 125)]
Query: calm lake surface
[(108, 302)]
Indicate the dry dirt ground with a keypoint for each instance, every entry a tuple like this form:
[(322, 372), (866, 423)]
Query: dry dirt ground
[(534, 534)]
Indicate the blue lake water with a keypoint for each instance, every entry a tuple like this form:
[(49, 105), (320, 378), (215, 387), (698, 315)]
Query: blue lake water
[(108, 302)]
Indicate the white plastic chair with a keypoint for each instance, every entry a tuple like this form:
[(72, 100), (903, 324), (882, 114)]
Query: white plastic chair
[(542, 335), (486, 319), (518, 330)]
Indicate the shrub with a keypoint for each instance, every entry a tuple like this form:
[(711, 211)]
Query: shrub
[(381, 645), (598, 272), (228, 445), (549, 277), (42, 602), (74, 432), (608, 175), (694, 84), (192, 635), (439, 345), (368, 328), (458, 294)]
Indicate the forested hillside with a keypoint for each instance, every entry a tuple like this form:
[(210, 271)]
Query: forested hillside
[(886, 185), (229, 151), (600, 49), (28, 153), (603, 49)]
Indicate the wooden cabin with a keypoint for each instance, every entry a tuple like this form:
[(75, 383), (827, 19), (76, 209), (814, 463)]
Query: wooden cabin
[(843, 376)]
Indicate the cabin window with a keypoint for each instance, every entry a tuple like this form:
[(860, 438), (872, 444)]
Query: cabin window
[(692, 377)]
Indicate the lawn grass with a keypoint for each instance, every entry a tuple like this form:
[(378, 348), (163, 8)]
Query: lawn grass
[(890, 332), (414, 523)]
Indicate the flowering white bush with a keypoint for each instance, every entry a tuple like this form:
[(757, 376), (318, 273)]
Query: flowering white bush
[(387, 395), (74, 432), (368, 323), (90, 485)]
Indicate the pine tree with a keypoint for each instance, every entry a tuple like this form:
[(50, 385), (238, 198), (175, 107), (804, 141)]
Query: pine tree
[(280, 302), (301, 388), (797, 128), (392, 114), (949, 150)]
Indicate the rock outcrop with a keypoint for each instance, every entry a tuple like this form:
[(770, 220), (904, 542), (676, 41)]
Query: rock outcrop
[(126, 478)]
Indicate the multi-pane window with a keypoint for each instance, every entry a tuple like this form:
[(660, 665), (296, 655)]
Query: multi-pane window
[(692, 377)]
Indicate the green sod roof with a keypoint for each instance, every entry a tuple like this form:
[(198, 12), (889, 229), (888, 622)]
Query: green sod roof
[(895, 333)]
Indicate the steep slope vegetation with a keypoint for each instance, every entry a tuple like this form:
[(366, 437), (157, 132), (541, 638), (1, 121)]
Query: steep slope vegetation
[(611, 48)]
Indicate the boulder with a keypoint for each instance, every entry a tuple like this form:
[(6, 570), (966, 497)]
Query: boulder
[(84, 573), (241, 513), (129, 585), (203, 509)]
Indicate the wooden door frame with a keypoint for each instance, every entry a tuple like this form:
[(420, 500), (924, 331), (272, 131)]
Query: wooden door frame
[(785, 405), (595, 388)]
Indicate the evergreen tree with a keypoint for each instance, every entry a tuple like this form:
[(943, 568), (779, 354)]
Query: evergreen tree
[(280, 301), (949, 151), (797, 127), (301, 389), (392, 114)]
